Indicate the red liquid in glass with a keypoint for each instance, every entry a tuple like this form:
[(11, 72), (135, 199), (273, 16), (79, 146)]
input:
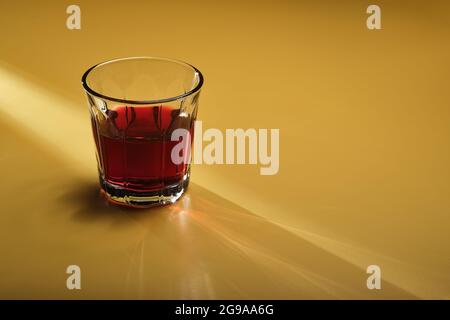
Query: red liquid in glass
[(135, 147)]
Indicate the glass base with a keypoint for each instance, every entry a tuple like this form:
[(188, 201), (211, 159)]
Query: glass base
[(124, 197)]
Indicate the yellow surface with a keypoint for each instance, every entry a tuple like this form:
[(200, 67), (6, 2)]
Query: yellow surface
[(364, 152)]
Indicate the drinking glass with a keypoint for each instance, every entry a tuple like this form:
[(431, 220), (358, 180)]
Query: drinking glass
[(136, 104)]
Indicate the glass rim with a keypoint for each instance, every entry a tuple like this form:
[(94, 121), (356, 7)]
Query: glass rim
[(157, 101)]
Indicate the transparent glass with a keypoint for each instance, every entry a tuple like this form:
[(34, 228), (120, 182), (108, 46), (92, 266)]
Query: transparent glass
[(135, 105)]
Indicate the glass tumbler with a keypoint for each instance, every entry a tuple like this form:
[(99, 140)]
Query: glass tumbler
[(136, 105)]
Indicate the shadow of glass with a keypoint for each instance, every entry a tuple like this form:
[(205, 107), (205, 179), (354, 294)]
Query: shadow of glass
[(91, 205)]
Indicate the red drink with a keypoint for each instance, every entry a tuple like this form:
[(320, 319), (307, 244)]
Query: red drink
[(134, 146), (137, 105)]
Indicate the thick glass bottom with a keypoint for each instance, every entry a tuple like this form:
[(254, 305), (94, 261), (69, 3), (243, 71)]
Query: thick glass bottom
[(132, 198)]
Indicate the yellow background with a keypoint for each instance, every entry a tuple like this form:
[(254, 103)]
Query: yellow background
[(364, 152)]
